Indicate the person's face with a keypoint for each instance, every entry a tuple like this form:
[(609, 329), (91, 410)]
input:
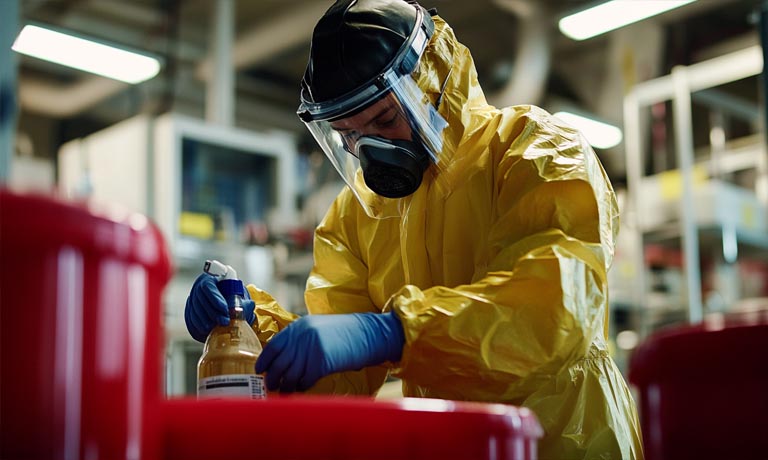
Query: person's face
[(384, 119)]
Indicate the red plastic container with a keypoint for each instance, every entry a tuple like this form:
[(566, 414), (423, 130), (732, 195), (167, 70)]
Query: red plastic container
[(320, 428), (81, 359), (703, 392), (80, 289)]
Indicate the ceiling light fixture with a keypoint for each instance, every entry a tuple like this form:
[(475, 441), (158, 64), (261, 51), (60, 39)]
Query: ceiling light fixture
[(613, 15), (599, 135), (86, 55)]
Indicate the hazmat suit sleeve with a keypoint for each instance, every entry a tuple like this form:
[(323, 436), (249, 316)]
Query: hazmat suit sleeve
[(271, 318)]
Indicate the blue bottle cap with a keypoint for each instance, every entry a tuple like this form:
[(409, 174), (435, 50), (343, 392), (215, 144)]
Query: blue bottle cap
[(228, 288)]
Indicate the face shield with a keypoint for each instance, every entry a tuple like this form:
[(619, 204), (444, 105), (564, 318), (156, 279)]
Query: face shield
[(383, 136)]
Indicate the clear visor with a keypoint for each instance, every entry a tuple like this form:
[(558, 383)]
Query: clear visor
[(401, 112)]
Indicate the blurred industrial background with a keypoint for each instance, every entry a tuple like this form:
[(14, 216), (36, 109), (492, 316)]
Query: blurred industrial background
[(211, 148)]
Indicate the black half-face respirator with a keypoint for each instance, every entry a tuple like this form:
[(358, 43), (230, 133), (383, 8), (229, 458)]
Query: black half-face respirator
[(391, 168)]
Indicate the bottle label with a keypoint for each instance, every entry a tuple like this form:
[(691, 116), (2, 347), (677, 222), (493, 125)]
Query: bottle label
[(237, 385)]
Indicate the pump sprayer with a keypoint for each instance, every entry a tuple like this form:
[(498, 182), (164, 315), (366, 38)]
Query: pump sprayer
[(227, 366), (219, 270)]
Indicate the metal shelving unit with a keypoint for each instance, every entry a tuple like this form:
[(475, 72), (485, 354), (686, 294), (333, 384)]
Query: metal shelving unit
[(687, 229)]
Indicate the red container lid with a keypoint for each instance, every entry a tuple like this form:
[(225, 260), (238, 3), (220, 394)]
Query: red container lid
[(715, 349), (323, 427), (36, 220)]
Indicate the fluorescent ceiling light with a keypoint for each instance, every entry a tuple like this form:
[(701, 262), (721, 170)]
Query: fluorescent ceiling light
[(612, 15), (599, 135), (85, 55)]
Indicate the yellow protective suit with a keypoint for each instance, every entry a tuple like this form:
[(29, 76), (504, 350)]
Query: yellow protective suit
[(497, 271)]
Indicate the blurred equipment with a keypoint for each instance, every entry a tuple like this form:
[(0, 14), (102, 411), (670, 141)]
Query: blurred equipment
[(228, 365), (199, 182), (86, 382), (211, 189), (9, 12), (703, 389)]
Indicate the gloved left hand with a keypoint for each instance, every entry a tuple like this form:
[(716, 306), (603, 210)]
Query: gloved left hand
[(314, 346), (206, 308)]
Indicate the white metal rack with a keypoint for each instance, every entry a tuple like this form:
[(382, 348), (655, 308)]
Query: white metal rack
[(678, 87)]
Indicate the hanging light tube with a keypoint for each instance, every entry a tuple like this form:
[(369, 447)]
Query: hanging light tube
[(613, 15), (85, 55), (599, 135)]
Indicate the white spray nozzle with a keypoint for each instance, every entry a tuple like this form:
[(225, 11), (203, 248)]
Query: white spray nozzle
[(219, 270)]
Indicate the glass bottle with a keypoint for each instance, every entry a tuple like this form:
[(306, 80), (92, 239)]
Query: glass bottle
[(227, 365)]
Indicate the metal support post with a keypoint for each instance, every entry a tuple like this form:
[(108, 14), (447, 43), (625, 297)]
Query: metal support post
[(761, 186), (763, 24), (9, 27), (631, 219), (684, 146), (220, 95)]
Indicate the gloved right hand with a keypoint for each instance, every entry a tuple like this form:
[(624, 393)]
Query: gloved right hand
[(206, 308)]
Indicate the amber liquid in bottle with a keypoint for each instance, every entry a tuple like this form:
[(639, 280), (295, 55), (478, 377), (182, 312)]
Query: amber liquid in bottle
[(227, 367)]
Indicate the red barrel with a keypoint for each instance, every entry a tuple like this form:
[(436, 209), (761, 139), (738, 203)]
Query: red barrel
[(703, 391), (81, 344)]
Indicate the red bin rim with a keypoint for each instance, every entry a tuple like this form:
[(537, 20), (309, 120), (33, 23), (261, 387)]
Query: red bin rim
[(36, 220)]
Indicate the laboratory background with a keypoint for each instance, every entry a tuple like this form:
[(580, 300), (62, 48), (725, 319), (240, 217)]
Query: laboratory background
[(200, 135)]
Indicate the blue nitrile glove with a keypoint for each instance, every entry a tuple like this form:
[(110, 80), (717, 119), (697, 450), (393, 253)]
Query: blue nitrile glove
[(314, 346), (207, 308)]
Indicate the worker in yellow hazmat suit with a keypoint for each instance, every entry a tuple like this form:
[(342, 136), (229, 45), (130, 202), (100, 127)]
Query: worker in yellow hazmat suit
[(468, 253)]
